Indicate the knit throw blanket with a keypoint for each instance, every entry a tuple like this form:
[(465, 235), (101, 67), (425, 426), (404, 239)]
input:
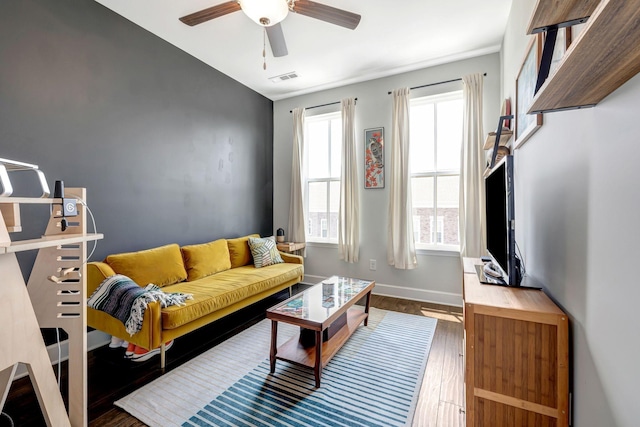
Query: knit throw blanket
[(122, 298)]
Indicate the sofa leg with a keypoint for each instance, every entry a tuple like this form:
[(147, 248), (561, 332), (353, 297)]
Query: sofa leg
[(162, 356)]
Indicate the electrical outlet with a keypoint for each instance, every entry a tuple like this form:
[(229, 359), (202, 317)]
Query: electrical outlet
[(372, 264)]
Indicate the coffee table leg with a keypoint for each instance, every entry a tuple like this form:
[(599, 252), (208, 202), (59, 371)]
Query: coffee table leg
[(366, 308), (317, 370), (274, 345)]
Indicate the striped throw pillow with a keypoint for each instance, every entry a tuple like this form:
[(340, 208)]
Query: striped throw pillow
[(264, 251)]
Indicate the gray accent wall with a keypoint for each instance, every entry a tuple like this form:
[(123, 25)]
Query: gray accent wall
[(169, 149), (577, 204)]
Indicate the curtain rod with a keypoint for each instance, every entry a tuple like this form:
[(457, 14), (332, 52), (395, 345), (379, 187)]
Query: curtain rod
[(321, 105), (434, 84)]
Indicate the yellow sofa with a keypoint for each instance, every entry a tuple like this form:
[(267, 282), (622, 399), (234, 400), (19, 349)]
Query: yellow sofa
[(220, 275)]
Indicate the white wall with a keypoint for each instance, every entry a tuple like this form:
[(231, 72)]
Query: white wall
[(577, 200), (438, 277)]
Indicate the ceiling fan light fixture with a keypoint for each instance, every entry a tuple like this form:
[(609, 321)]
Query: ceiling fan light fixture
[(265, 12)]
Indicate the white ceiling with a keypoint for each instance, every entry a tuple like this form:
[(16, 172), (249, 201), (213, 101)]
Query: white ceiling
[(393, 37)]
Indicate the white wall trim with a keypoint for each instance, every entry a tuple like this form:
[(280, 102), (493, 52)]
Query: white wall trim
[(95, 339), (422, 295)]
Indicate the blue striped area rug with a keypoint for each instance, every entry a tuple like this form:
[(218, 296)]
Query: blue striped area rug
[(374, 380)]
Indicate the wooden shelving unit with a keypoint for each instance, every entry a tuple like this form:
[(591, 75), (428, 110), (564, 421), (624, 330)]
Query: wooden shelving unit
[(516, 355), (55, 297), (604, 56)]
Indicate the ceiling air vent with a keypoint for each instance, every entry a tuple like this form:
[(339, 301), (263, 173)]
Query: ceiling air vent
[(283, 77)]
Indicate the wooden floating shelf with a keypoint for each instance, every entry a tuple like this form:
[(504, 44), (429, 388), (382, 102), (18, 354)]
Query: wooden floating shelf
[(605, 55), (552, 12)]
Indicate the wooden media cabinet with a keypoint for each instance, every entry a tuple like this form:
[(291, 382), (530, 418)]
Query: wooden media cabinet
[(516, 355)]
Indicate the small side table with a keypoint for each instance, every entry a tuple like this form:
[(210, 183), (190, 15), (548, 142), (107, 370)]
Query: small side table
[(290, 246)]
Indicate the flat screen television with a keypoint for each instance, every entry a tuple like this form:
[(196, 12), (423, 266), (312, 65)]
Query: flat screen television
[(500, 222)]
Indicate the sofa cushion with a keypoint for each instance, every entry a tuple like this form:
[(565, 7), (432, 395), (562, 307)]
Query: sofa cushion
[(206, 259), (160, 266), (264, 251), (239, 252), (224, 289)]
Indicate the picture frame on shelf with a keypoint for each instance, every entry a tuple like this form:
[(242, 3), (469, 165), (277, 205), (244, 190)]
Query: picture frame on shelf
[(374, 158), (527, 124)]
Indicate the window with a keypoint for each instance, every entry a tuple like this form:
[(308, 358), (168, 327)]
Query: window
[(323, 147), (436, 229), (323, 228), (436, 140)]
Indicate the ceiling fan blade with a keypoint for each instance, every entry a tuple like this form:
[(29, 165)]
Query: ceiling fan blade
[(327, 13), (276, 40), (211, 13)]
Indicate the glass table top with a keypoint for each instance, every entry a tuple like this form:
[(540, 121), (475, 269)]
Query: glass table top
[(320, 301)]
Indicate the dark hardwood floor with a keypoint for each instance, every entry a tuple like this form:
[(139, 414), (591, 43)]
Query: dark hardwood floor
[(111, 377)]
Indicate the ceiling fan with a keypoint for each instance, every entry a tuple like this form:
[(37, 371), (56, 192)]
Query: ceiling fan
[(269, 14)]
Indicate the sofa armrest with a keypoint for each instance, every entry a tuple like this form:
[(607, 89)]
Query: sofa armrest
[(149, 337), (292, 259), (96, 273)]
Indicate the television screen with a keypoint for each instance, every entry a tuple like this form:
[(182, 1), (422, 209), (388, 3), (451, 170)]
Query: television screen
[(496, 209), (500, 218)]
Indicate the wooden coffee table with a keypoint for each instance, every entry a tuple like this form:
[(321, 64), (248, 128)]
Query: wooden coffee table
[(326, 319)]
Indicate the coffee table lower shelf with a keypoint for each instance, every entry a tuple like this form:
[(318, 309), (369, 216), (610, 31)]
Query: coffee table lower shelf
[(294, 352)]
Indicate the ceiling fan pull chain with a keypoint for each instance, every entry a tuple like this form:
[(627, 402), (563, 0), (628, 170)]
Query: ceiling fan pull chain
[(264, 48)]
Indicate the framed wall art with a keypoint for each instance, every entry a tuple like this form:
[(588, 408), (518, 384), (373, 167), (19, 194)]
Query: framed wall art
[(527, 124), (374, 158)]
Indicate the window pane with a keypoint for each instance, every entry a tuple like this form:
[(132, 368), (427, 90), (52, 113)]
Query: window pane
[(318, 149), (448, 211), (336, 147), (422, 138), (423, 202), (449, 134), (317, 207), (334, 205)]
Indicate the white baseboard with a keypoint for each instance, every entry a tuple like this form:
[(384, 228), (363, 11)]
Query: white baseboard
[(422, 295), (95, 339)]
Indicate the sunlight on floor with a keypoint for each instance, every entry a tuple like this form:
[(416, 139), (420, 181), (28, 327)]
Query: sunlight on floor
[(442, 314)]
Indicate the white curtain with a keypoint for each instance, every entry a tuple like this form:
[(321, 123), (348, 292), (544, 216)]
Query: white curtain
[(472, 221), (296, 206), (349, 213), (401, 251)]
